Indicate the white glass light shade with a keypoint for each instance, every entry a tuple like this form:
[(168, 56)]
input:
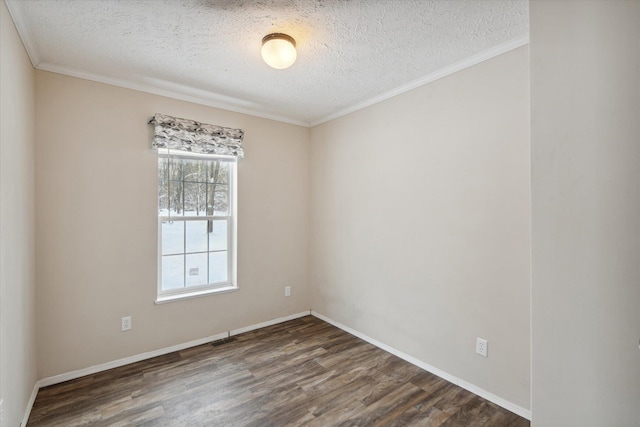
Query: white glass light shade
[(279, 50)]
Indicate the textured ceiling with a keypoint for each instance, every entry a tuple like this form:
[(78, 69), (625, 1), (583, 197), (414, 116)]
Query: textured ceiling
[(351, 53)]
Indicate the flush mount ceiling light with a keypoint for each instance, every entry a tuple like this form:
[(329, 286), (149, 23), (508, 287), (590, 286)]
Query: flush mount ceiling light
[(279, 50)]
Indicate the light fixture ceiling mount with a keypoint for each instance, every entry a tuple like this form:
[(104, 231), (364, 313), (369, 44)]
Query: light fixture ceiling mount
[(279, 50)]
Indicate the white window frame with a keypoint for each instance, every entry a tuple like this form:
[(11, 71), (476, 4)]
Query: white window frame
[(231, 284)]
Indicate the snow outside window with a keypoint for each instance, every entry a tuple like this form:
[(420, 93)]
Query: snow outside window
[(196, 225)]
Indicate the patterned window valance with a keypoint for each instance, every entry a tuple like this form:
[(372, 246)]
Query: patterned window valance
[(196, 137)]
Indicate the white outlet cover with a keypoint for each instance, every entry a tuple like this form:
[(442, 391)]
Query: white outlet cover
[(126, 323), (482, 347)]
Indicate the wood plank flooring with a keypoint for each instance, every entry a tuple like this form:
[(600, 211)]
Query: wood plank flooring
[(304, 372)]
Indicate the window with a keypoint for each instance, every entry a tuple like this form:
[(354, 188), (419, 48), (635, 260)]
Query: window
[(197, 212), (196, 224)]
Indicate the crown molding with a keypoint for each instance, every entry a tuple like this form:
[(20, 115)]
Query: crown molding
[(174, 91), (436, 75), (15, 10)]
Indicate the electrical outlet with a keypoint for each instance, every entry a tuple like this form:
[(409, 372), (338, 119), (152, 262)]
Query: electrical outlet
[(482, 347), (126, 323), (287, 291)]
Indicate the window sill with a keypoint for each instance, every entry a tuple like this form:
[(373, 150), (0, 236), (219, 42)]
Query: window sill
[(179, 297)]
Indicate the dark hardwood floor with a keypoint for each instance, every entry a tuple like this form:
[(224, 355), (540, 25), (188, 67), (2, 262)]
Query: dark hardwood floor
[(302, 372)]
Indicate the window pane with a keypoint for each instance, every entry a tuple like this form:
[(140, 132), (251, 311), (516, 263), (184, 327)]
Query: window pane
[(196, 269), (176, 169), (195, 170), (162, 168), (169, 192), (163, 197), (218, 235), (219, 173), (169, 198), (172, 272), (196, 236), (195, 199), (171, 170), (218, 199), (172, 237), (218, 267)]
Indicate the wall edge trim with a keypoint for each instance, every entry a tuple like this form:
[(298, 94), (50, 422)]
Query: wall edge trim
[(516, 409), (20, 22)]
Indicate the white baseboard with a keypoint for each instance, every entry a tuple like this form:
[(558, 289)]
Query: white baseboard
[(148, 355), (268, 323), (127, 360), (32, 399), (525, 413)]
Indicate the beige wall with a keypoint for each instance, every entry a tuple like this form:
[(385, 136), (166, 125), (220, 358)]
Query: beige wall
[(17, 227), (586, 213), (96, 187), (420, 223)]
